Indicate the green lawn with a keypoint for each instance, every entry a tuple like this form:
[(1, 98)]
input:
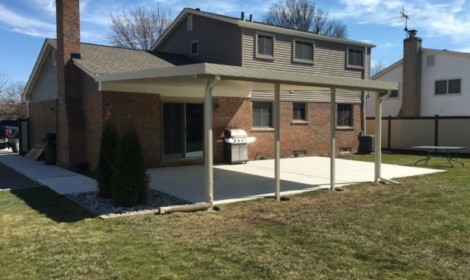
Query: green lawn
[(418, 230)]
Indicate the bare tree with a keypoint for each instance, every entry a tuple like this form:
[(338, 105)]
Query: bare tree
[(138, 27), (305, 16), (377, 68), (11, 105)]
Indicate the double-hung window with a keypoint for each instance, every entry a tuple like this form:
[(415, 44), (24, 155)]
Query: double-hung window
[(344, 115), (303, 51), (299, 111), (265, 46), (355, 58), (262, 114)]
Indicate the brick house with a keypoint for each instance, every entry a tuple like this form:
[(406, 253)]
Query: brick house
[(207, 70)]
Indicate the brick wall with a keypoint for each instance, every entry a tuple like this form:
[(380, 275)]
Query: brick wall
[(312, 137), (411, 76), (42, 119), (93, 117), (143, 110)]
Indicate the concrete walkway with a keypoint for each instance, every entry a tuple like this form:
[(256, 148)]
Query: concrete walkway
[(231, 182)]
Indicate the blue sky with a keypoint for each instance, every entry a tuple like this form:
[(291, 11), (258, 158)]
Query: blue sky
[(443, 24)]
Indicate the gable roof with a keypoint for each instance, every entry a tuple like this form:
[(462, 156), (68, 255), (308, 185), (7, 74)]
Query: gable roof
[(253, 25), (98, 60), (424, 51)]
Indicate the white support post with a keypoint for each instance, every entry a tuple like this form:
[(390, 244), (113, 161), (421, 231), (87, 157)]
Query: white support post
[(378, 136), (333, 139), (208, 146), (277, 140)]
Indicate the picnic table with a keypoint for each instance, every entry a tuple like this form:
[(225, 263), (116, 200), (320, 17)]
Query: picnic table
[(447, 151)]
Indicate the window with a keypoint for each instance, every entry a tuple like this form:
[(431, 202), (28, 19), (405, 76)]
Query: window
[(448, 86), (299, 111), (194, 48), (355, 58), (265, 46), (394, 94), (262, 114), (303, 51), (344, 115), (189, 23)]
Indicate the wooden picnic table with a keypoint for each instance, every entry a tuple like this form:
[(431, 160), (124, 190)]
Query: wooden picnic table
[(447, 151)]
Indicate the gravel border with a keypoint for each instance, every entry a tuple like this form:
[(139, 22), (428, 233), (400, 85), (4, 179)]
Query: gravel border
[(104, 208)]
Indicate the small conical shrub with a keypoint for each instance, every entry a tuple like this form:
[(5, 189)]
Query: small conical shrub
[(130, 182), (108, 150)]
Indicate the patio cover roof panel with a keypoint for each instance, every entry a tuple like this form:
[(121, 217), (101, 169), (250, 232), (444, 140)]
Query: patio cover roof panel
[(238, 73)]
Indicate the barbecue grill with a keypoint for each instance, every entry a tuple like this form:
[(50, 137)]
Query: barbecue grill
[(236, 145)]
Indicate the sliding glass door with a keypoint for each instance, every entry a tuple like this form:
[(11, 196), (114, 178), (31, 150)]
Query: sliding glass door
[(182, 130)]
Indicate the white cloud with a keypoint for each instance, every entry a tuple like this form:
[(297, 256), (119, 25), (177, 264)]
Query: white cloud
[(432, 18), (26, 25)]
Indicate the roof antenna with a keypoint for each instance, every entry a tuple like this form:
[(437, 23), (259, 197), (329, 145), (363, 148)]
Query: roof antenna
[(404, 17)]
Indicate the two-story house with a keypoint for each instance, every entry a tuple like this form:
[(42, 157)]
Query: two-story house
[(206, 74), (431, 82)]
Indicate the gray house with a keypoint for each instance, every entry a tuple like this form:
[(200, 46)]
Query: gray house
[(295, 92)]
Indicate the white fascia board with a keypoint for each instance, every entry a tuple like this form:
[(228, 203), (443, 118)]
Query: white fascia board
[(174, 71)]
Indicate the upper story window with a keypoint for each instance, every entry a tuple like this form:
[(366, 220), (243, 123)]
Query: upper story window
[(262, 114), (299, 111), (303, 51), (344, 115), (265, 46), (355, 58), (189, 23), (194, 48), (448, 86)]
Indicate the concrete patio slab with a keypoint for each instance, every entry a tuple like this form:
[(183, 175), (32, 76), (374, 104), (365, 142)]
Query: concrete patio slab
[(256, 178)]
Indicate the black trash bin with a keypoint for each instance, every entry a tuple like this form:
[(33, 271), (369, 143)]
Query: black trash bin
[(50, 150)]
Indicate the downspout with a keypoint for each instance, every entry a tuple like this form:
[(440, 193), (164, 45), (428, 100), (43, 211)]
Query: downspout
[(363, 94), (378, 138), (208, 154)]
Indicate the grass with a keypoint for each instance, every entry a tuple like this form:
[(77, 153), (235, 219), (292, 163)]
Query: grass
[(417, 230)]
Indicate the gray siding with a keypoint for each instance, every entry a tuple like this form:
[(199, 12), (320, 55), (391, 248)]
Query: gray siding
[(219, 42), (317, 95), (46, 86), (329, 58)]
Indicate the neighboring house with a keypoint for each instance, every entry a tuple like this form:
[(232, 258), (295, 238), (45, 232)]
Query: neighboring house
[(431, 82), (74, 86)]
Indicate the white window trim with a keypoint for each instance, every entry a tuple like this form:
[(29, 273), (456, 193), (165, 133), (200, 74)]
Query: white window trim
[(301, 60), (191, 48), (261, 128), (189, 23), (263, 56), (345, 127), (347, 58)]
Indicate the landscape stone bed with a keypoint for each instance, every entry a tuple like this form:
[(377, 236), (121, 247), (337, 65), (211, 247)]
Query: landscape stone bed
[(104, 207)]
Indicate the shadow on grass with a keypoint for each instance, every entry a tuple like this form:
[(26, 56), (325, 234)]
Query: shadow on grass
[(54, 206)]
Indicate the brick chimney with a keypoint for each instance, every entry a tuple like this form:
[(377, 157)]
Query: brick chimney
[(70, 121), (412, 57)]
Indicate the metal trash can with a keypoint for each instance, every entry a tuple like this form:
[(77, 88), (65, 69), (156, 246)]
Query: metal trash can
[(50, 150), (236, 146)]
